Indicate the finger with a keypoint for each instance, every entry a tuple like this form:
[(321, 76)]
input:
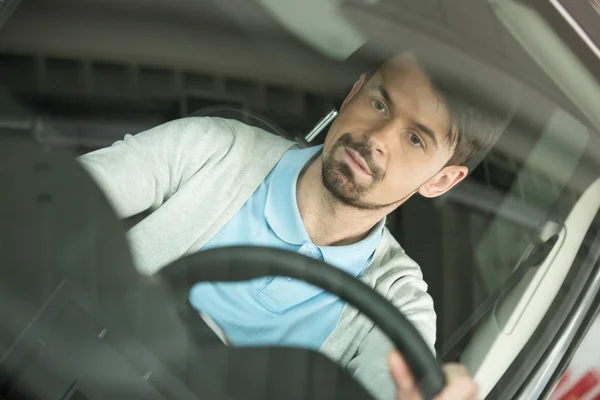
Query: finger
[(405, 383), (459, 384)]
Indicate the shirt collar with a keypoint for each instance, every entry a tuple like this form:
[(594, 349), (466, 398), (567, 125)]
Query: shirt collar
[(283, 216)]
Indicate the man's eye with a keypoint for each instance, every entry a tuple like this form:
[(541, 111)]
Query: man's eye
[(379, 106), (415, 140)]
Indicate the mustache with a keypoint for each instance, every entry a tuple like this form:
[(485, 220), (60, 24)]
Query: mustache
[(364, 150)]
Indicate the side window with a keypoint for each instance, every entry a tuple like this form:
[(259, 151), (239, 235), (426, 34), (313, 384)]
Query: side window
[(514, 238), (538, 185)]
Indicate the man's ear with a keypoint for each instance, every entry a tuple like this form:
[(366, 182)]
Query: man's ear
[(443, 181), (355, 89)]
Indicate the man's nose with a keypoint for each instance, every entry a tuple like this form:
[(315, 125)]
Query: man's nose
[(381, 137)]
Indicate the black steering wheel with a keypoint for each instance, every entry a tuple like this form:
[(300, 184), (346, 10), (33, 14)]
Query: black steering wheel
[(67, 278), (246, 262)]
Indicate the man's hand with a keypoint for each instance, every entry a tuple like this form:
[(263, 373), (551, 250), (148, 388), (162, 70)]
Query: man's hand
[(459, 385)]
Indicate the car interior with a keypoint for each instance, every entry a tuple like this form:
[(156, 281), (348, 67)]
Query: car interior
[(506, 254)]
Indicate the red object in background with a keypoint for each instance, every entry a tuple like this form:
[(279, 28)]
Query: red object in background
[(563, 380), (584, 385)]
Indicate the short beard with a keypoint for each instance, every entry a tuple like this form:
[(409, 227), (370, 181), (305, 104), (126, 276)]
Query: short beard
[(339, 180)]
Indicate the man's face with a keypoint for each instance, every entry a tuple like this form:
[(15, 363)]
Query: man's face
[(389, 140)]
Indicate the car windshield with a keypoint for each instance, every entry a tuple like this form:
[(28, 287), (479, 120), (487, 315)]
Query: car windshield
[(505, 253)]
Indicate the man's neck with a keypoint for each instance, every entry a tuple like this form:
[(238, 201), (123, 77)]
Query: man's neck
[(328, 221)]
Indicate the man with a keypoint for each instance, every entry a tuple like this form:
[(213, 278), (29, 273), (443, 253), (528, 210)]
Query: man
[(210, 182)]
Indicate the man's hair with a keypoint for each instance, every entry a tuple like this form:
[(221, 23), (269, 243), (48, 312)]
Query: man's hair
[(476, 119)]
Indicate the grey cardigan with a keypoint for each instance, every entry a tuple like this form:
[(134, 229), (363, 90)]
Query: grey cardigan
[(193, 175)]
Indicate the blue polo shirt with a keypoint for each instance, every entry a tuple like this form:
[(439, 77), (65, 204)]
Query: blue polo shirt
[(278, 310)]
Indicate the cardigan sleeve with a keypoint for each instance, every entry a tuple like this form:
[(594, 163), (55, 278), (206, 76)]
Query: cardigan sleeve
[(141, 171)]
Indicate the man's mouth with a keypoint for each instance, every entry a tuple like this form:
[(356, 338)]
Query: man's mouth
[(358, 161)]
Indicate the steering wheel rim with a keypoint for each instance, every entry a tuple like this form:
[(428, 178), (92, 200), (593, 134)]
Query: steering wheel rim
[(239, 263), (54, 205)]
